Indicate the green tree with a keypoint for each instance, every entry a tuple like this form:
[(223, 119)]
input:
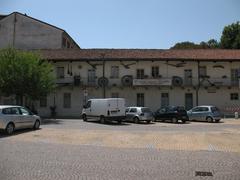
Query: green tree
[(185, 45), (25, 75), (230, 38)]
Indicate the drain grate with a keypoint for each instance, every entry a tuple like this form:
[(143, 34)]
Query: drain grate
[(203, 173)]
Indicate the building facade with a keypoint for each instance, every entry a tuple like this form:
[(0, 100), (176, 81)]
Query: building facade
[(24, 32), (152, 78)]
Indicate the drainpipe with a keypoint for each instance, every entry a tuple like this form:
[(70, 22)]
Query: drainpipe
[(14, 29), (103, 75), (198, 83)]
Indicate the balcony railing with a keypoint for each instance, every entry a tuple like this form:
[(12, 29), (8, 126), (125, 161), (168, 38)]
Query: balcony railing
[(163, 81)]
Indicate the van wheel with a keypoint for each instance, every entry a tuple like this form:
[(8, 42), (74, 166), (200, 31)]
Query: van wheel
[(209, 119), (136, 120), (84, 117), (36, 125), (9, 129), (174, 120), (102, 119)]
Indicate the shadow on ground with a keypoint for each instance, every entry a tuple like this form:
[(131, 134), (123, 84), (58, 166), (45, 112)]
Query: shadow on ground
[(112, 123), (51, 121), (17, 132)]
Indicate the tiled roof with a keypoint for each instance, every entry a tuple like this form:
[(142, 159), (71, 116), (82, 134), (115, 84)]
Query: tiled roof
[(141, 54)]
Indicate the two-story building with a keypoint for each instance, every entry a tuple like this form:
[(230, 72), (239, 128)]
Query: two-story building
[(145, 77)]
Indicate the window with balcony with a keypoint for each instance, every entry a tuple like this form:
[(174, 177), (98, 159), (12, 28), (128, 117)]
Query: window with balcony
[(234, 96), (155, 71), (60, 72), (115, 72), (140, 99), (67, 100), (140, 73)]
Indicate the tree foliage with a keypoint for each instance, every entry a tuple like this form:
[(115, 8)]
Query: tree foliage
[(211, 44), (25, 74), (230, 38)]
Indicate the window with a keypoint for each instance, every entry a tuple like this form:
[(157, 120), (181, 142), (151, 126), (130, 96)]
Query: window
[(115, 95), (133, 110), (202, 71), (24, 111), (164, 99), (234, 96), (114, 72), (15, 111), (6, 111), (60, 72), (155, 71), (67, 100), (140, 99), (235, 73), (43, 101), (140, 73), (91, 76)]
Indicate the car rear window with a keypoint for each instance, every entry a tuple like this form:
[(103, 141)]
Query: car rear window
[(214, 109), (7, 111), (145, 110)]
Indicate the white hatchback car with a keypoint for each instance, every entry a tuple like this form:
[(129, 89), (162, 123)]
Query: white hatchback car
[(17, 117)]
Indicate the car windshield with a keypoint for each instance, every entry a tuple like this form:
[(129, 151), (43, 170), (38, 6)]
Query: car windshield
[(144, 110)]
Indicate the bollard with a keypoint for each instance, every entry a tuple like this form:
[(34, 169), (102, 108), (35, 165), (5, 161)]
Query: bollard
[(236, 115)]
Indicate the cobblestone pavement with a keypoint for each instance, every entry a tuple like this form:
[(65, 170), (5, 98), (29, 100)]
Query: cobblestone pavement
[(72, 149)]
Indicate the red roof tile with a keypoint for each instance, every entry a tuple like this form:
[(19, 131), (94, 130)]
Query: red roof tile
[(141, 54)]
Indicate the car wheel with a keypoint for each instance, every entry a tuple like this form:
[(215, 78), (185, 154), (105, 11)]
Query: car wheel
[(102, 119), (174, 120), (84, 117), (209, 119), (136, 120), (148, 121), (183, 121), (36, 125), (9, 129), (119, 121)]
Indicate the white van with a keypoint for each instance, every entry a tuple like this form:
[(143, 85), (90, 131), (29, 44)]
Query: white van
[(112, 109)]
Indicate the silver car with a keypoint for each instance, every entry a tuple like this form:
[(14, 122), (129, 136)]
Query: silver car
[(205, 113), (137, 114), (17, 117)]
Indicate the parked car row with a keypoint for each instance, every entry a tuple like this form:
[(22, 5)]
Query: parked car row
[(114, 109)]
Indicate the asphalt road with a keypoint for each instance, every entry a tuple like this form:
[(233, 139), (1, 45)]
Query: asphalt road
[(72, 149)]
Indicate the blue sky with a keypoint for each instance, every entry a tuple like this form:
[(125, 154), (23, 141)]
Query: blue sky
[(132, 23)]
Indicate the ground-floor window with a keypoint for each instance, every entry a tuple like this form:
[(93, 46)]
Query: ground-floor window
[(67, 100), (43, 101), (140, 99), (164, 99), (234, 96), (115, 95)]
